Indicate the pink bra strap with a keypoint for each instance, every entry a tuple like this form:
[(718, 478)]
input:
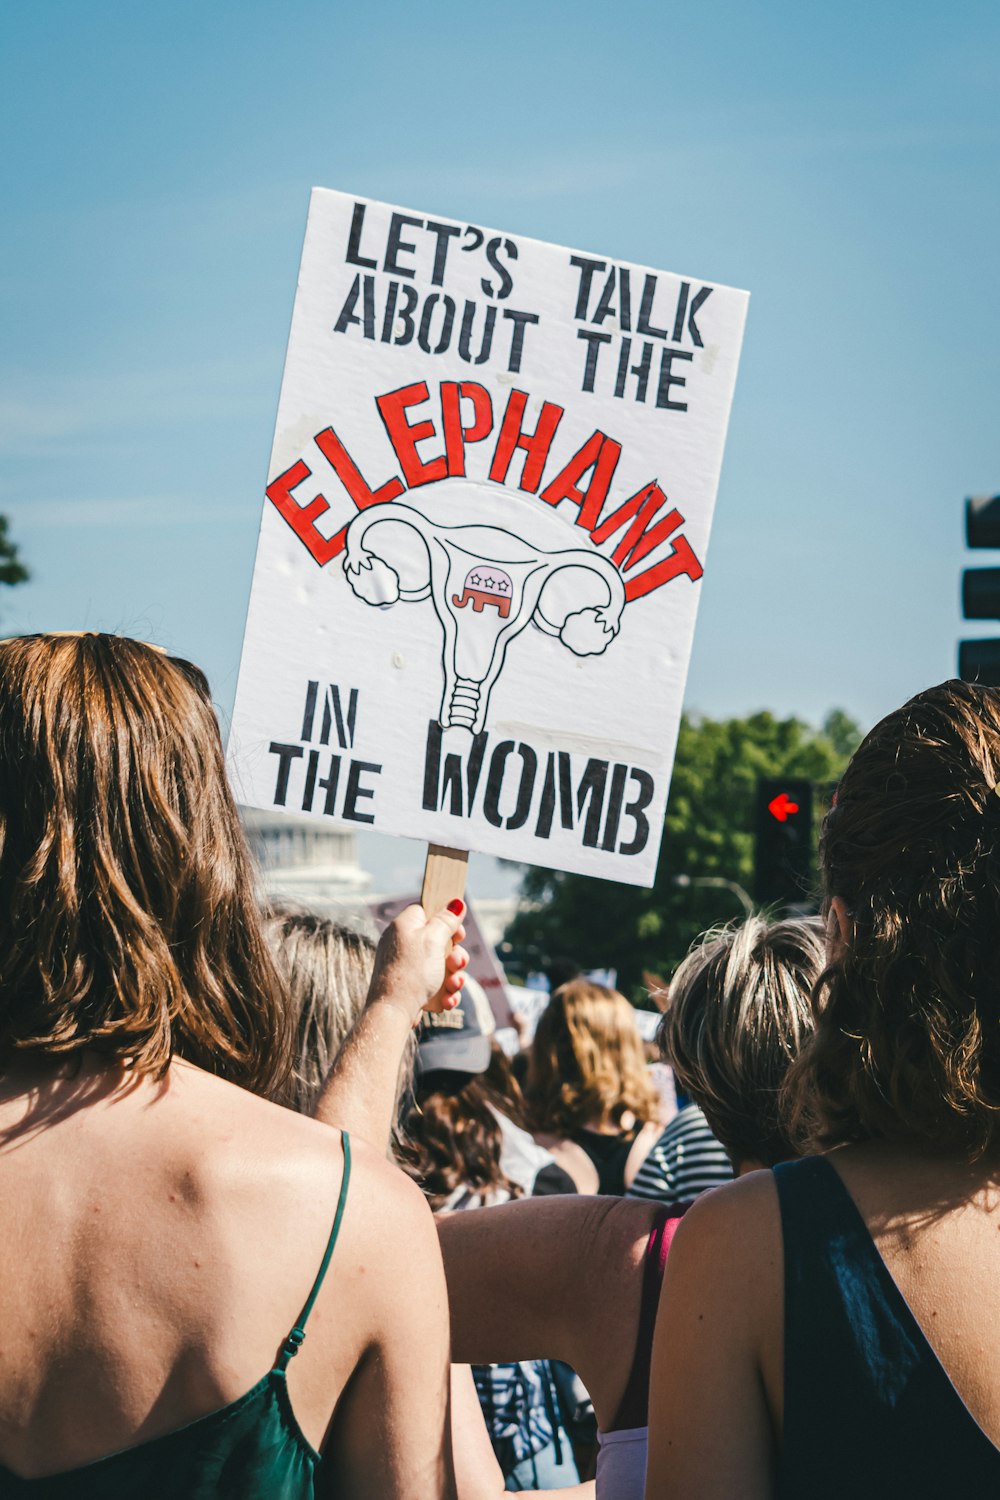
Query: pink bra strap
[(632, 1411)]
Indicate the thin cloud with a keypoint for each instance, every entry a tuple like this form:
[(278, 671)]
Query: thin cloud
[(35, 414), (576, 174), (83, 513)]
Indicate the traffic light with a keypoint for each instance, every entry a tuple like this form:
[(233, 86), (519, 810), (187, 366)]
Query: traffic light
[(979, 661), (783, 863)]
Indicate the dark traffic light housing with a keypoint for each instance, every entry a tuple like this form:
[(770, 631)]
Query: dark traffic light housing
[(783, 860), (979, 661), (982, 521)]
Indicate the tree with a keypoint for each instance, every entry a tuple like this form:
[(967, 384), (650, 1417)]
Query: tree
[(842, 732), (12, 569), (708, 832)]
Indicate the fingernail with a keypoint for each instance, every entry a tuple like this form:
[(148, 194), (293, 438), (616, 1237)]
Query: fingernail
[(456, 907)]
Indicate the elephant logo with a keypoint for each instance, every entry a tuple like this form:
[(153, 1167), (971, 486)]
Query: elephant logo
[(486, 585)]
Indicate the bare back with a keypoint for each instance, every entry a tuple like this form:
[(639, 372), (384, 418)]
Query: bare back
[(161, 1241)]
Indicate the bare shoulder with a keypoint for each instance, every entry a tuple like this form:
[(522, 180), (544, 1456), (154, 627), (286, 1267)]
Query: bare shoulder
[(735, 1213), (384, 1197), (572, 1231), (273, 1177), (246, 1147), (616, 1233), (728, 1251), (302, 1154), (717, 1347), (519, 1274)]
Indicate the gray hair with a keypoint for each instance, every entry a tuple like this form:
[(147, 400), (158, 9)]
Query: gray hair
[(327, 968), (737, 1017)]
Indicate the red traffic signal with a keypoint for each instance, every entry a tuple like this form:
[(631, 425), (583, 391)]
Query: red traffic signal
[(784, 876)]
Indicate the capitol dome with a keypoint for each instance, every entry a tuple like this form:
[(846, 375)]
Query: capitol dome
[(306, 862)]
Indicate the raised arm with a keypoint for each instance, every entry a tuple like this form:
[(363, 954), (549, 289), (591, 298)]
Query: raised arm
[(418, 966)]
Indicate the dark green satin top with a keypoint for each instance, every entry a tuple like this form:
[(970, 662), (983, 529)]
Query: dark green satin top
[(252, 1449)]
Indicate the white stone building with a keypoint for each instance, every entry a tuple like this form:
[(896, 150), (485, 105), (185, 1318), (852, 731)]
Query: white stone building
[(308, 864)]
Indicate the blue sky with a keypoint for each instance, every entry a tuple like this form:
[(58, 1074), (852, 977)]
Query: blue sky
[(839, 162)]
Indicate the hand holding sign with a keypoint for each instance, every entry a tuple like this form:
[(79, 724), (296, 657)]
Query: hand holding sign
[(419, 964)]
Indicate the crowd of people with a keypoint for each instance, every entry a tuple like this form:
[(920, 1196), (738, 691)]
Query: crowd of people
[(284, 1220)]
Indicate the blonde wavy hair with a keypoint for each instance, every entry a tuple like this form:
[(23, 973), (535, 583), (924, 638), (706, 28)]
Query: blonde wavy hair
[(587, 1066), (328, 968), (737, 1017)]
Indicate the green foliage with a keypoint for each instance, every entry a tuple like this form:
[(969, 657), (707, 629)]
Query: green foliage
[(842, 732), (12, 569), (708, 832)]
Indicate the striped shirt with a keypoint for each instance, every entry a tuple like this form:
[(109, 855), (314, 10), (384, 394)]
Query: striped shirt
[(686, 1161)]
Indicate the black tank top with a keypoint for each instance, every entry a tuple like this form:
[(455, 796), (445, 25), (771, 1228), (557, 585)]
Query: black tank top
[(609, 1153), (870, 1413)]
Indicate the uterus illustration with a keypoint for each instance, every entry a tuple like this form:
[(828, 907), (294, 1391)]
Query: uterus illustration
[(486, 585)]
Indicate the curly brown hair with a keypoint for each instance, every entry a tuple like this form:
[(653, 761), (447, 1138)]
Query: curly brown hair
[(452, 1139), (127, 889), (907, 1041), (587, 1066)]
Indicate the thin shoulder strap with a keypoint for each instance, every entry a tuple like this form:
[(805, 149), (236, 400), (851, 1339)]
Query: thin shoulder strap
[(635, 1399), (295, 1338)]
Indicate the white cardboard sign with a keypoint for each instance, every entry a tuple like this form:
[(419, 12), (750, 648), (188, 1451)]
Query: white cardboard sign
[(479, 563)]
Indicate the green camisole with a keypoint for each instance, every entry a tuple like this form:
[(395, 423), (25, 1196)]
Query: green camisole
[(252, 1449)]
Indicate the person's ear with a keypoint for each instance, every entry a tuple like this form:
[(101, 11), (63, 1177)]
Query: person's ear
[(838, 929)]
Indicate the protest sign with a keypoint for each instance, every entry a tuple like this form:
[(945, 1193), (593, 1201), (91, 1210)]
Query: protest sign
[(486, 522), (483, 962)]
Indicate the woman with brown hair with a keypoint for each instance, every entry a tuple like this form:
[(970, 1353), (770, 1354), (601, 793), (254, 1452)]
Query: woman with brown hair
[(842, 1311), (590, 1098), (167, 1224)]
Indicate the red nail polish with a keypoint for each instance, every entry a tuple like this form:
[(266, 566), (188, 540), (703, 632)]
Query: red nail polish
[(456, 907)]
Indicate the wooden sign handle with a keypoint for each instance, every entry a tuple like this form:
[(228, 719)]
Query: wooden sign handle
[(444, 877)]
